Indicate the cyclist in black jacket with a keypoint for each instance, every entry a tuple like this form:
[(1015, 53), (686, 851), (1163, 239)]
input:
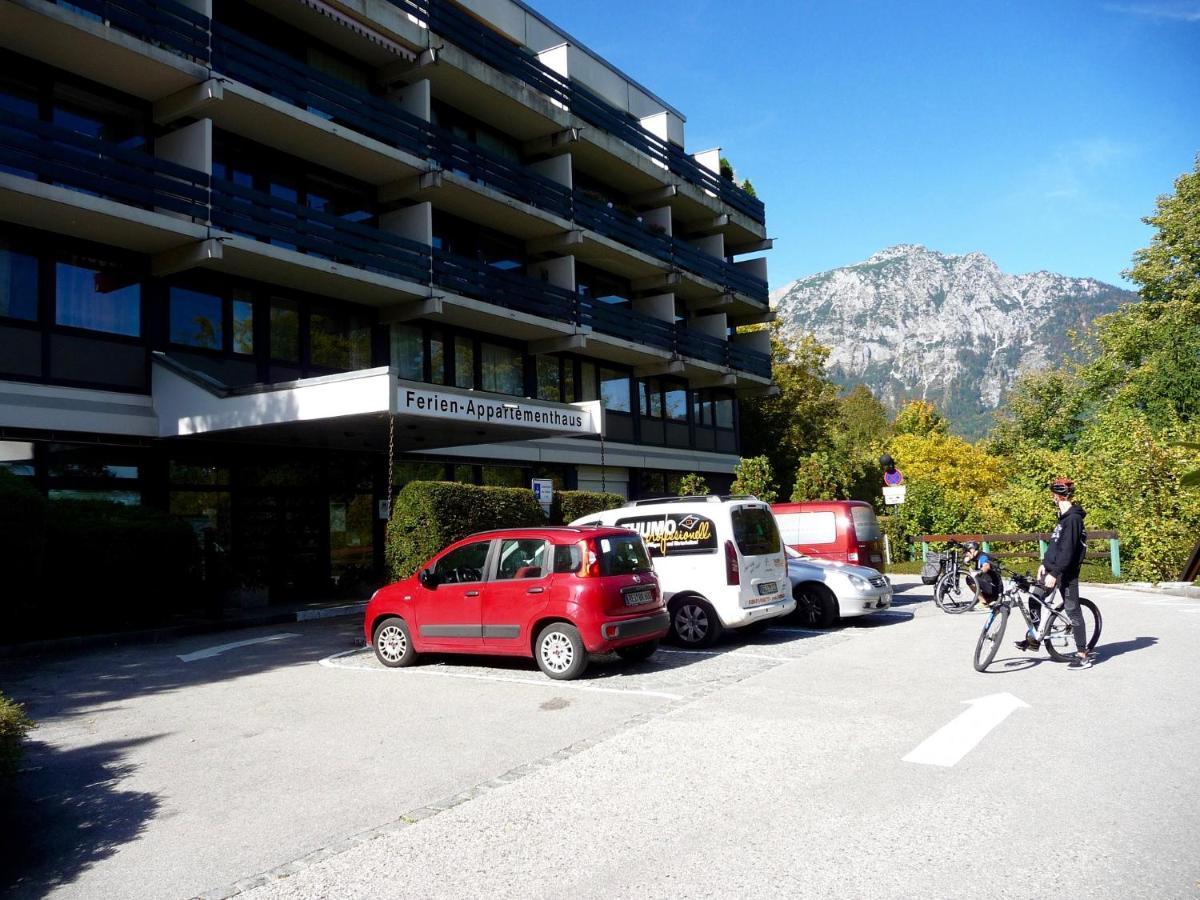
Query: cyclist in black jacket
[(1060, 568)]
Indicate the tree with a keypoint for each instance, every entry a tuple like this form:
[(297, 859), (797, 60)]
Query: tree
[(796, 422), (753, 476), (1045, 409), (919, 417), (1169, 269), (693, 485)]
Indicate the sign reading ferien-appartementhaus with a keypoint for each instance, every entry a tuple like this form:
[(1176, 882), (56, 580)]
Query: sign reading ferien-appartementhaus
[(468, 407)]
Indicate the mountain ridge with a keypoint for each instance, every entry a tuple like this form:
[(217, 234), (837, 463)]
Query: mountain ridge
[(913, 323)]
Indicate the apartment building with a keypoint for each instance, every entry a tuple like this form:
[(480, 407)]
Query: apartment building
[(262, 262)]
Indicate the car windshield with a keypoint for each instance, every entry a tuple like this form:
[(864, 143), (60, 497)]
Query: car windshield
[(623, 555), (866, 526), (754, 530)]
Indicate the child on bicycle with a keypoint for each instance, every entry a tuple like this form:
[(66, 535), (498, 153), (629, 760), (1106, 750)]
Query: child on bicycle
[(987, 575)]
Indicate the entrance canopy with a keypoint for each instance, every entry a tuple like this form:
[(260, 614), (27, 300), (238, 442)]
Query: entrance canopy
[(352, 409)]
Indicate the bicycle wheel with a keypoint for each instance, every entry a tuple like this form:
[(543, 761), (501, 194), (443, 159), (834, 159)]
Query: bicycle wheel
[(991, 636), (960, 595), (938, 590), (1060, 640)]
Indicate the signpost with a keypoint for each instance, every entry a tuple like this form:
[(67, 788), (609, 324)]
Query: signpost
[(893, 481), (543, 492)]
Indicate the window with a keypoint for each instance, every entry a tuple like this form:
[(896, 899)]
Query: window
[(285, 330), (408, 351), (504, 476), (675, 404), (339, 340), (92, 294), (503, 369), (522, 559), (549, 379), (404, 472), (866, 525), (723, 412), (754, 530), (463, 565), (614, 390), (18, 284), (567, 558), (17, 457), (650, 398), (702, 410), (198, 473), (243, 323), (623, 556), (437, 357), (587, 377), (464, 362), (196, 319), (99, 117)]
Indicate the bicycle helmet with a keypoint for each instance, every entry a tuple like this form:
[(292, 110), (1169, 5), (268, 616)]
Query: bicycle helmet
[(971, 545), (1062, 487)]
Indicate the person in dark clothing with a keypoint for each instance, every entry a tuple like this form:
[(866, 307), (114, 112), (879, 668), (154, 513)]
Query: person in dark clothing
[(1060, 568), (986, 576)]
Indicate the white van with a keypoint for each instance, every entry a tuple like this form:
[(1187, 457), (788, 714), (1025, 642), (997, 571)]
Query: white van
[(719, 561)]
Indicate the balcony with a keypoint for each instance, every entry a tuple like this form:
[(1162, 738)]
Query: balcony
[(163, 23), (473, 278)]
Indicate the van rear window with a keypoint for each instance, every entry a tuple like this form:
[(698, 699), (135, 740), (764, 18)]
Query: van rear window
[(754, 530), (866, 526)]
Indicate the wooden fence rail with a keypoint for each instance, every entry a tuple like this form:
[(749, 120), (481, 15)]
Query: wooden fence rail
[(1113, 554)]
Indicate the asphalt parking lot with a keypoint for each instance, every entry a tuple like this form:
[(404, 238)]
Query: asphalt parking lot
[(285, 761)]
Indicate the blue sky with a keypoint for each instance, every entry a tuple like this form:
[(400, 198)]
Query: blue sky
[(1039, 133)]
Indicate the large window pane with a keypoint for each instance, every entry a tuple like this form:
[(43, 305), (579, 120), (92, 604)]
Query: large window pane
[(437, 357), (339, 340), (94, 297), (408, 352), (503, 369), (614, 390), (675, 404), (16, 457), (464, 362), (724, 412), (503, 476), (587, 375), (285, 330), (196, 319), (243, 324), (549, 385), (18, 284)]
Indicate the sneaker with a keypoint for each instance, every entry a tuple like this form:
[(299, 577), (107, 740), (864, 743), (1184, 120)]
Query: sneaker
[(1026, 644), (1081, 662)]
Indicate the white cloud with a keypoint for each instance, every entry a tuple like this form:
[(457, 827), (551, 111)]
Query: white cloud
[(1169, 10)]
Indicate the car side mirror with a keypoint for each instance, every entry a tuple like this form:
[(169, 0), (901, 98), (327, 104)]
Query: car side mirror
[(428, 579)]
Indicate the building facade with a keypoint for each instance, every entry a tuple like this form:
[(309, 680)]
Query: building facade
[(263, 261)]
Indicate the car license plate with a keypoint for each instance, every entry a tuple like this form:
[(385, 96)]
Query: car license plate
[(767, 587), (637, 598)]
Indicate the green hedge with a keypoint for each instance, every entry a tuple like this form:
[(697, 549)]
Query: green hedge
[(111, 564), (14, 724), (428, 515), (568, 506), (22, 533)]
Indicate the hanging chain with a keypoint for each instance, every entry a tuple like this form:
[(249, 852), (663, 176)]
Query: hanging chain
[(603, 471), (391, 462)]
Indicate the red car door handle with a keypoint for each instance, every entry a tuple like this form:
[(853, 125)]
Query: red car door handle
[(535, 590), (472, 593)]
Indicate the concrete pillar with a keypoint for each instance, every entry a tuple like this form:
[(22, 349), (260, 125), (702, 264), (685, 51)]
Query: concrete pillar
[(658, 306), (710, 159), (557, 59), (414, 98), (190, 146), (665, 125), (753, 340), (713, 245), (204, 7), (713, 324), (556, 168), (660, 217), (413, 222), (559, 272), (756, 267)]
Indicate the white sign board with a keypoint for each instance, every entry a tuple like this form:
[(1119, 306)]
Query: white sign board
[(893, 494), (543, 492), (462, 407)]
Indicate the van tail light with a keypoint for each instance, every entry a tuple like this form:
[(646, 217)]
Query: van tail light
[(852, 556), (732, 570), (590, 567)]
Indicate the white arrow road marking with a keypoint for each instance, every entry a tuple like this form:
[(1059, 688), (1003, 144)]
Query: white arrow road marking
[(957, 738), (216, 651)]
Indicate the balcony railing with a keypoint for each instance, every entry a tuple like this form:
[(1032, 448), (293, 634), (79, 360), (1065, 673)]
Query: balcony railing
[(165, 23), (624, 323), (698, 345), (746, 360), (60, 156), (289, 225), (474, 278)]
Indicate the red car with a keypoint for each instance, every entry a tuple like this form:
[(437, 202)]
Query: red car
[(844, 531), (556, 594)]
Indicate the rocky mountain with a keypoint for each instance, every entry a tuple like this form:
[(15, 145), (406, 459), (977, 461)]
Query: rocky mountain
[(913, 323)]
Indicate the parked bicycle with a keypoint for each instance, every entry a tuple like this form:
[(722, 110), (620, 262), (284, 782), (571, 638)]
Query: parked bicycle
[(1054, 632), (956, 591)]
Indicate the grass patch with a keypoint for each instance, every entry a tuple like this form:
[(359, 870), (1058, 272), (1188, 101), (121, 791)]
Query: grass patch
[(14, 725)]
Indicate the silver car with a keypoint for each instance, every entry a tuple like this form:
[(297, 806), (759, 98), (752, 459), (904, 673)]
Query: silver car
[(826, 591)]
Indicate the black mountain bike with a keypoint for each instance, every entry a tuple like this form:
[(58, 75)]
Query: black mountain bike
[(1054, 633), (956, 591)]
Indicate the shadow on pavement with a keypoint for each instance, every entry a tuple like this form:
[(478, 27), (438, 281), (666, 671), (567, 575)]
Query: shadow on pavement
[(1108, 651), (65, 812)]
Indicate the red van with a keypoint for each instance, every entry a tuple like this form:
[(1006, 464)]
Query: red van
[(838, 530), (555, 594)]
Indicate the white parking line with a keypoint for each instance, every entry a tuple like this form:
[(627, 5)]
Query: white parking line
[(329, 663), (787, 630), (725, 653), (209, 652)]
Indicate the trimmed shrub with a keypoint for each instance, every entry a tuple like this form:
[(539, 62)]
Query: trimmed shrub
[(110, 564), (22, 527), (14, 725), (568, 506), (693, 485), (428, 515)]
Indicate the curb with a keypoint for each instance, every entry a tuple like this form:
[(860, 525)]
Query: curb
[(170, 632), (1170, 588)]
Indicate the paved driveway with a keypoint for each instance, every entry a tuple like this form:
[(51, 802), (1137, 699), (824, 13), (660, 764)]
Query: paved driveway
[(297, 766)]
